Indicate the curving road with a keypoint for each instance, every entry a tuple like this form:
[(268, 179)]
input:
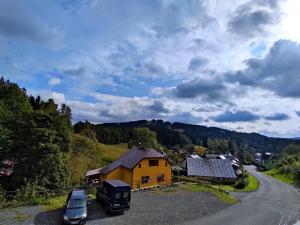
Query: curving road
[(274, 203)]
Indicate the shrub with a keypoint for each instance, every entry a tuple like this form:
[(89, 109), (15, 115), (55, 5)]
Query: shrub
[(240, 184)]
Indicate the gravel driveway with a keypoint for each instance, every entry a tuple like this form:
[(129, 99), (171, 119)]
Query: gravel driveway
[(169, 206)]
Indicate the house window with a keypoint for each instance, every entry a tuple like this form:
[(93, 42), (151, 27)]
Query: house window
[(153, 162), (145, 179), (160, 177), (166, 164), (140, 165)]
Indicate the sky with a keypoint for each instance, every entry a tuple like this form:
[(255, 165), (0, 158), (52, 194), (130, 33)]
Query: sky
[(229, 64)]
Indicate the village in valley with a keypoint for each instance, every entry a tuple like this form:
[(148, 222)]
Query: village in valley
[(145, 167), (149, 112)]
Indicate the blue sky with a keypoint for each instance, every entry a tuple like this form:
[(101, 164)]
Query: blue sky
[(230, 64)]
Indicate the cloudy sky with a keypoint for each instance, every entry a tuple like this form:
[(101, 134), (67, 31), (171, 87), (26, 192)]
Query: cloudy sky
[(230, 64)]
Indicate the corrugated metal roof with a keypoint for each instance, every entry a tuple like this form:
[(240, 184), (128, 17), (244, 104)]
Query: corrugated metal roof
[(93, 172), (211, 156), (219, 168), (131, 158)]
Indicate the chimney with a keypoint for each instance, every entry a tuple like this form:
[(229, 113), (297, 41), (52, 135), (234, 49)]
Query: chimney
[(141, 146)]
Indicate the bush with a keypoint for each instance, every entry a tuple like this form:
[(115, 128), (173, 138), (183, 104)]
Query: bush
[(3, 201), (240, 184)]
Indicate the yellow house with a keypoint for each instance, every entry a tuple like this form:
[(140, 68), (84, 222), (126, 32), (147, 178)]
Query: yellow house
[(139, 167)]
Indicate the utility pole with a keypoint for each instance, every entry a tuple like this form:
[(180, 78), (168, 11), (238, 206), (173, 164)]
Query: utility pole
[(241, 158)]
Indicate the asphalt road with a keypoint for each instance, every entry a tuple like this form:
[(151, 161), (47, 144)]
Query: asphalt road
[(275, 203)]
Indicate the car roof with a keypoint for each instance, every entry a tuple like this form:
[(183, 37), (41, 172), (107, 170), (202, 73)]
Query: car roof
[(117, 183), (78, 194)]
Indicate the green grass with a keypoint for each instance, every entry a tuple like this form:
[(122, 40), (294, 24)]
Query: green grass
[(110, 153), (20, 216), (252, 184), (54, 203), (286, 178), (224, 197)]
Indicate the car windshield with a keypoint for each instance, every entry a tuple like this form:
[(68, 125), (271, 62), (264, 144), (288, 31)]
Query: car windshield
[(76, 203)]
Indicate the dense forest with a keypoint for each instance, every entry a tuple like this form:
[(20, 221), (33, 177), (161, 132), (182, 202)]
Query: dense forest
[(37, 137), (286, 166), (180, 135)]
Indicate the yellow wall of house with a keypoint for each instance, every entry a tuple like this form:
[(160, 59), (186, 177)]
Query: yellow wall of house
[(134, 177), (163, 167), (120, 173)]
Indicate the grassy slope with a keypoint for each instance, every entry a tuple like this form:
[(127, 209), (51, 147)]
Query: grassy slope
[(203, 188), (289, 179), (110, 153)]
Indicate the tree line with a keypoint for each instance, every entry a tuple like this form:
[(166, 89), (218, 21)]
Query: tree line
[(37, 136), (47, 152), (180, 135), (288, 163)]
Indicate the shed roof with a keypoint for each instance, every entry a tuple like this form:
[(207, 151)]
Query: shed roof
[(131, 158), (219, 168), (93, 172)]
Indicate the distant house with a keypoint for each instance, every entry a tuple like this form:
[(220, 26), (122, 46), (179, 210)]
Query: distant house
[(212, 156), (258, 157), (139, 167), (92, 176), (234, 160), (194, 156), (6, 170), (215, 170)]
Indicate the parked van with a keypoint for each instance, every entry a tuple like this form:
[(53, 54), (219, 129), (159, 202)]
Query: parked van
[(114, 195)]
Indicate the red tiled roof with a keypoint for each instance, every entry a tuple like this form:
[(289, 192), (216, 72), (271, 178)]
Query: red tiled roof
[(131, 158)]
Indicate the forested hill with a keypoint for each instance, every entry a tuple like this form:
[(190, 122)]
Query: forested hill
[(174, 134)]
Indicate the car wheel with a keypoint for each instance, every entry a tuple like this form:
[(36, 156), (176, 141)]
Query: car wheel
[(107, 210)]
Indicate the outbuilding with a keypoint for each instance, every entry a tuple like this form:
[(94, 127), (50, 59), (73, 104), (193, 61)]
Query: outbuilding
[(215, 170), (138, 167)]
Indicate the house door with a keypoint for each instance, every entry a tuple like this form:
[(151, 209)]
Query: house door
[(138, 184)]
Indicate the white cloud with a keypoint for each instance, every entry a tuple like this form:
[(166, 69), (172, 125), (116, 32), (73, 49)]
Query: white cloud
[(54, 81), (59, 98), (102, 46)]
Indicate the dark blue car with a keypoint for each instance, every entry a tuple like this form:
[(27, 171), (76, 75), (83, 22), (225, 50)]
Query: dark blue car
[(75, 210)]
